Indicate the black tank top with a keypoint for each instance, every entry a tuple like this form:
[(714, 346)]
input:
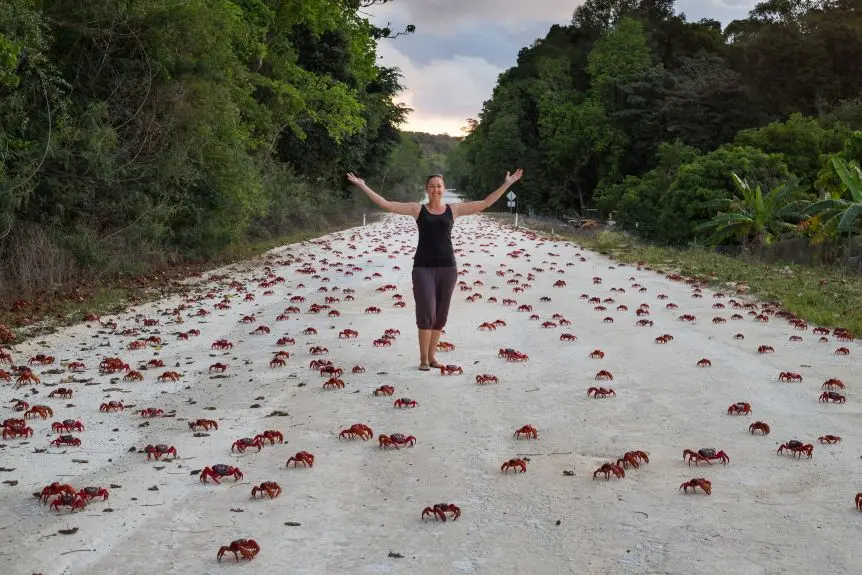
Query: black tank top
[(435, 239)]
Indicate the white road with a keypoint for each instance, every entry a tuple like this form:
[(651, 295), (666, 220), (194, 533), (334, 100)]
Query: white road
[(767, 513)]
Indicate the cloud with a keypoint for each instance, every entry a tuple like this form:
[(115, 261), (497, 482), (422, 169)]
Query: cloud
[(492, 41), (722, 10), (443, 92), (443, 17)]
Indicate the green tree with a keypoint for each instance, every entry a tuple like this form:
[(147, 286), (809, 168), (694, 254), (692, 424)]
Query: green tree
[(690, 198), (838, 215), (754, 217)]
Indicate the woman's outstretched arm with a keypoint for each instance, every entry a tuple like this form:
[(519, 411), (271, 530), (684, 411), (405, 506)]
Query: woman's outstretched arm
[(468, 208), (402, 208)]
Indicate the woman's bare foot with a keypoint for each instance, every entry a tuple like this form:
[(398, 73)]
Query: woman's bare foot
[(424, 367), (435, 364)]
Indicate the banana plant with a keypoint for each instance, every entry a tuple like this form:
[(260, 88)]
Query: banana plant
[(756, 218), (837, 215)]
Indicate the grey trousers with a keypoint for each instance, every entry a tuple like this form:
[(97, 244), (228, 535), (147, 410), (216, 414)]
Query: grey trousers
[(432, 292)]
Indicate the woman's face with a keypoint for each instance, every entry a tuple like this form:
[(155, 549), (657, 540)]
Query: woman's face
[(435, 188)]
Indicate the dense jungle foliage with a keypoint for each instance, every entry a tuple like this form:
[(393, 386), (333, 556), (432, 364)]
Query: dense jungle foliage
[(136, 133), (635, 111)]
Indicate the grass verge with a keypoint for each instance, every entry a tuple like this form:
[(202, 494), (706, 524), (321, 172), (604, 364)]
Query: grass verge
[(63, 307), (823, 296)]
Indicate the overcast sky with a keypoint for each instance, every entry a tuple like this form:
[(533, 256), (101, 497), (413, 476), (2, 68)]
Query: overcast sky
[(451, 63)]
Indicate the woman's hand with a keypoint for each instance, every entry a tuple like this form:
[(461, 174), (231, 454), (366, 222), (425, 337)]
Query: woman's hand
[(355, 180), (512, 178)]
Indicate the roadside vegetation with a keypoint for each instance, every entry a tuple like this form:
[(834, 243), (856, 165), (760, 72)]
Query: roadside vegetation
[(141, 140)]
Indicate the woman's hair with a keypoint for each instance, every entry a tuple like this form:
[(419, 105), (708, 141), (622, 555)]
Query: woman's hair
[(432, 176)]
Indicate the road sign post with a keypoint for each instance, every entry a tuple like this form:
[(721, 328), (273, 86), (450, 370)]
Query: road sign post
[(511, 203)]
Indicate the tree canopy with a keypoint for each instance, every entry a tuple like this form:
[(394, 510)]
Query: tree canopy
[(138, 132), (635, 111)]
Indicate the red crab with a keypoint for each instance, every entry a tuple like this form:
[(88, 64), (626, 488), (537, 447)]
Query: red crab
[(222, 344), (156, 451), (384, 390), (760, 426), (20, 430), (832, 396), (66, 440), (704, 484), (206, 424), (527, 431), (27, 377), (271, 435), (440, 510), (248, 548), (55, 489), (765, 349), (357, 430), (445, 346), (220, 470), (789, 376), (151, 412), (405, 402), (396, 440), (830, 439), (633, 459), (382, 342), (604, 375), (451, 370), (112, 406), (597, 354), (515, 464), (270, 488), (797, 448), (348, 333), (42, 411), (705, 454), (241, 444), (133, 375), (63, 392), (842, 351), (303, 457), (704, 363), (600, 392), (73, 501), (88, 493), (739, 408), (484, 378), (333, 382), (219, 367), (357, 369), (832, 383), (169, 376), (609, 468)]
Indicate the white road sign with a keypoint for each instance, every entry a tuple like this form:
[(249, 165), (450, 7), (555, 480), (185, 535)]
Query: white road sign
[(511, 196), (510, 204)]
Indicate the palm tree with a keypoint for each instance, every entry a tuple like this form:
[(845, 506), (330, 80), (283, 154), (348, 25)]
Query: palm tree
[(835, 214), (756, 218)]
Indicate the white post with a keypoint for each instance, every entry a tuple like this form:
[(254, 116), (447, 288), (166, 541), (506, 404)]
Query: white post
[(516, 219), (363, 219)]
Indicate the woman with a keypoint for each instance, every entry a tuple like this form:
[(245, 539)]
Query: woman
[(434, 269)]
